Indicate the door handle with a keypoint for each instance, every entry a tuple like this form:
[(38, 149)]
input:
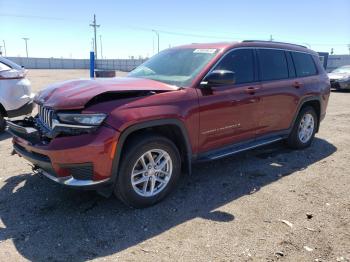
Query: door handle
[(297, 84), (251, 90)]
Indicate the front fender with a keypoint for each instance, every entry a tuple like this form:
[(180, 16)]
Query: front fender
[(125, 133)]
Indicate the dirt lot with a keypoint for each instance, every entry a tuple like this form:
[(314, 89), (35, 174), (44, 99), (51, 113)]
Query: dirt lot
[(228, 210)]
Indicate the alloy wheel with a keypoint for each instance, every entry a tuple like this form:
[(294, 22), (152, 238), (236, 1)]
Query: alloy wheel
[(151, 173), (306, 128)]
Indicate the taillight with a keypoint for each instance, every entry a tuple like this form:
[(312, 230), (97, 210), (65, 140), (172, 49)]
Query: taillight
[(13, 74)]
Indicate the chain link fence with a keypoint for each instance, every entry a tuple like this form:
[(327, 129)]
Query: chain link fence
[(64, 63)]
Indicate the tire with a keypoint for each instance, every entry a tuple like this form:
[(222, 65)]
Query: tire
[(296, 140), (2, 123), (131, 163)]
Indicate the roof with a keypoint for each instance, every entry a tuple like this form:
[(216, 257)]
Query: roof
[(251, 43)]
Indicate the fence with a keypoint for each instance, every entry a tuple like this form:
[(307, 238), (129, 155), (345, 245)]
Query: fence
[(119, 64), (334, 61), (63, 63)]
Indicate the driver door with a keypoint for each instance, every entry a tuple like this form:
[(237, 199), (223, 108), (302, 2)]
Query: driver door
[(229, 113)]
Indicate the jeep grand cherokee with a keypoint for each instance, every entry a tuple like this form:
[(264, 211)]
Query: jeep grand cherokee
[(135, 136)]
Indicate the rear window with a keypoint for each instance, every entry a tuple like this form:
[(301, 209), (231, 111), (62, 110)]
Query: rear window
[(304, 64), (273, 64), (4, 67)]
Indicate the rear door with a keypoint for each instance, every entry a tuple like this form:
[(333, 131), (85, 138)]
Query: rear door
[(279, 92), (308, 79), (228, 113)]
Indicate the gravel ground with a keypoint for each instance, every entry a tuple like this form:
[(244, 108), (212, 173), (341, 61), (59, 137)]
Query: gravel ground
[(270, 204)]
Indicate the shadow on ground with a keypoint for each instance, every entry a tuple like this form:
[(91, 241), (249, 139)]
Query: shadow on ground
[(48, 222)]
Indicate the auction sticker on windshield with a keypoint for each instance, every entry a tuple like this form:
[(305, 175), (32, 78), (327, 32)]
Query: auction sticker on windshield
[(205, 51)]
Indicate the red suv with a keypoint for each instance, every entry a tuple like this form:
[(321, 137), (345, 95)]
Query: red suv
[(134, 136)]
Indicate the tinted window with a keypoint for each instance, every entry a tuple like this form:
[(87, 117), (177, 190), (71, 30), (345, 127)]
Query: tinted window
[(177, 66), (304, 64), (273, 64), (241, 62)]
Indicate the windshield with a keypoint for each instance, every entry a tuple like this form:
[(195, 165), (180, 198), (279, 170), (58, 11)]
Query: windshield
[(342, 70), (175, 66)]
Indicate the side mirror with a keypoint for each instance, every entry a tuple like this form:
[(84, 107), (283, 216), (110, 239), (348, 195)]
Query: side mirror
[(220, 77)]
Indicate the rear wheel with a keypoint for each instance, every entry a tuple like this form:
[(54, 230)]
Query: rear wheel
[(150, 168), (304, 129), (2, 122)]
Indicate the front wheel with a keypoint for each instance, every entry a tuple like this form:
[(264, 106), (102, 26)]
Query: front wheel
[(304, 129), (150, 168)]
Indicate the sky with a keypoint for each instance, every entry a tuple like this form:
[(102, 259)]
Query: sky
[(61, 28)]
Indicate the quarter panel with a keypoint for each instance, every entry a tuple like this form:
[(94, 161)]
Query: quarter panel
[(280, 100)]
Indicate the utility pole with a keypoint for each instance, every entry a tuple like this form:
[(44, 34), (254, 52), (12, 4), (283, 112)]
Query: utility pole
[(348, 47), (5, 47), (94, 25), (332, 51), (101, 46), (271, 39), (26, 40), (157, 33)]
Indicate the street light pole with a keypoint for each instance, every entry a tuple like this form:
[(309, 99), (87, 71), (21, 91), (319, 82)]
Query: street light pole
[(26, 40), (101, 46), (4, 47), (157, 33)]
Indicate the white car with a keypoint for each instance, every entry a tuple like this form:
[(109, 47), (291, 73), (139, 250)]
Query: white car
[(340, 77), (16, 98)]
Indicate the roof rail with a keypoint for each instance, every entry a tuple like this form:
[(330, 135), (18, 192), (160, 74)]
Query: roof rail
[(267, 41)]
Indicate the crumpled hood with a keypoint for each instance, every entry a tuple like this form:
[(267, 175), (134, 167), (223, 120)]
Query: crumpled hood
[(74, 94)]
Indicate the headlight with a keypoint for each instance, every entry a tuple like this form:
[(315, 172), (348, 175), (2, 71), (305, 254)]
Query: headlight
[(82, 119)]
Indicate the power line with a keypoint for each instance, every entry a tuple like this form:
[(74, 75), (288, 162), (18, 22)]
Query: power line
[(192, 35), (236, 36), (31, 16)]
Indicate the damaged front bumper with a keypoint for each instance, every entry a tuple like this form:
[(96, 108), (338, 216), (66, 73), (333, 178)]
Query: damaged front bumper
[(83, 160), (73, 182)]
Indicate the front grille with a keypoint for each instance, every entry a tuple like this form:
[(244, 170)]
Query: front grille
[(45, 115)]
